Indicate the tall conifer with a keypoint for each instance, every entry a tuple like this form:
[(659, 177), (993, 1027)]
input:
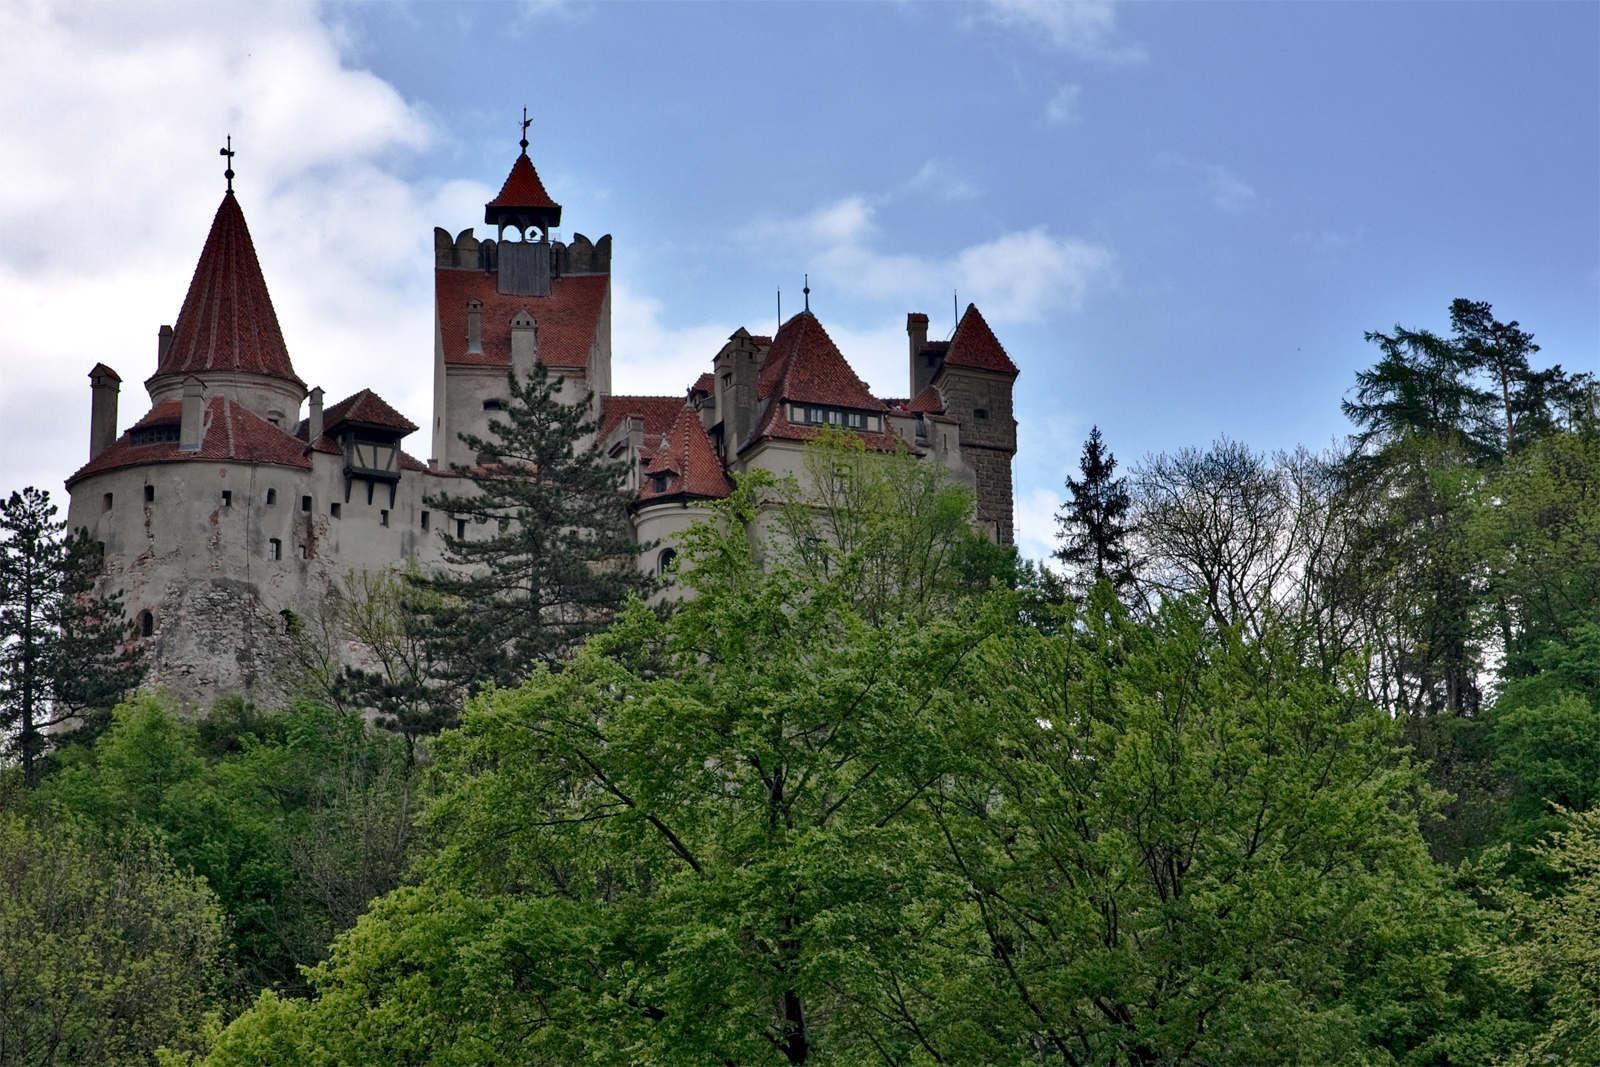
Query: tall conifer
[(1094, 530)]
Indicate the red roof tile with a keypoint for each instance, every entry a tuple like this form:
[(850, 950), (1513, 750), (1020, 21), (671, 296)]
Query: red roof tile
[(805, 365), (230, 433), (704, 384), (927, 400), (568, 318), (369, 408), (658, 413), (686, 456), (916, 316), (975, 345), (227, 321), (522, 189)]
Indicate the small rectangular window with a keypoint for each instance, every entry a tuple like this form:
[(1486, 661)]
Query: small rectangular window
[(305, 550), (274, 549), (227, 498), (106, 500), (979, 413), (333, 509), (149, 494), (461, 529), (305, 503), (493, 405), (383, 517), (272, 497), (424, 520)]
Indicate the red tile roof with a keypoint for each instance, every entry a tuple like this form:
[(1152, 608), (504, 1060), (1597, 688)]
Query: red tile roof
[(230, 433), (805, 365), (704, 384), (658, 413), (916, 316), (369, 408), (227, 321), (975, 345), (567, 318), (685, 454), (927, 400), (102, 371), (522, 189)]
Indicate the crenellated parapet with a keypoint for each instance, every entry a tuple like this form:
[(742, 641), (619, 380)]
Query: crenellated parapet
[(466, 252)]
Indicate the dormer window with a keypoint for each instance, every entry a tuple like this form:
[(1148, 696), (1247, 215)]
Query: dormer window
[(658, 483)]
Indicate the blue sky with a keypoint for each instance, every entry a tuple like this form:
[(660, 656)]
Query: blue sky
[(1179, 218)]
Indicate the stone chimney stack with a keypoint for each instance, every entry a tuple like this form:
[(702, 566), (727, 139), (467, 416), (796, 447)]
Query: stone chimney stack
[(104, 384), (163, 343), (314, 416), (917, 332), (746, 370), (474, 327), (194, 410), (524, 343)]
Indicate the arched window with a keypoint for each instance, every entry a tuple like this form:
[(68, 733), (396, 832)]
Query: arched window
[(147, 624), (664, 560)]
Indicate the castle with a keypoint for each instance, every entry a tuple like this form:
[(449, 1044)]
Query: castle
[(223, 507)]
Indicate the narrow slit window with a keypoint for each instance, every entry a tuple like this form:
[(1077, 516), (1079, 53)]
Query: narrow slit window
[(305, 503), (272, 497), (305, 550), (461, 529), (147, 624), (227, 498), (424, 520), (383, 517), (274, 549), (106, 500), (333, 509), (149, 494)]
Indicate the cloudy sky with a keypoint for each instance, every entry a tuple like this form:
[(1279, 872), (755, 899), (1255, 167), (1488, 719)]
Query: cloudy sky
[(1178, 217)]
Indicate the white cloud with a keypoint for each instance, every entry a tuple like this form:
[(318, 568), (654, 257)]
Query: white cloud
[(1227, 190), (937, 177), (1063, 107), (650, 358), (1035, 522), (1082, 27), (111, 118), (1017, 277)]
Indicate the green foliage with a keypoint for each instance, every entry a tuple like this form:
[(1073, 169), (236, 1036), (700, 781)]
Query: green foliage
[(296, 820), (107, 952), (558, 557)]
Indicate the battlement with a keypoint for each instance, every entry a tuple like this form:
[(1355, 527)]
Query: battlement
[(466, 252)]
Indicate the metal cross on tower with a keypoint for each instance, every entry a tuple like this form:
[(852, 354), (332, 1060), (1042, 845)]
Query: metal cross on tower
[(526, 122), (228, 151)]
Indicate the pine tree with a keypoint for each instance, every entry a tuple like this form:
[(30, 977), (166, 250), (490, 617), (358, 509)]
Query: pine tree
[(1094, 528), (559, 555), (64, 648)]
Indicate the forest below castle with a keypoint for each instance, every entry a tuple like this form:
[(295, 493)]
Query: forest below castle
[(1285, 758)]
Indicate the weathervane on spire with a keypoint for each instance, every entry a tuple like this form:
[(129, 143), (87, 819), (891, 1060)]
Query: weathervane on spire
[(228, 151), (807, 291), (526, 122)]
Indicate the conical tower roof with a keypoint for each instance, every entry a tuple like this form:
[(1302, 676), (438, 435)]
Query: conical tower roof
[(522, 200), (227, 322)]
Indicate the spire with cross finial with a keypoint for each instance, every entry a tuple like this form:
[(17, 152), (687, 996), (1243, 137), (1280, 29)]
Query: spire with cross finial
[(807, 291), (526, 122), (228, 174)]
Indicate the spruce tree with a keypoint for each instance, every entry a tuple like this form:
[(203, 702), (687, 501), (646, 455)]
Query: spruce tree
[(543, 552), (1094, 530)]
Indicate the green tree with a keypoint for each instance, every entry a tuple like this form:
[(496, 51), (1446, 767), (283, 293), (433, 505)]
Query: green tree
[(30, 606), (556, 553), (107, 952), (97, 662), (1094, 525)]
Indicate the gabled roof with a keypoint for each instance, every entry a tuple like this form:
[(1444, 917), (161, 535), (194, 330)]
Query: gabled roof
[(685, 455), (368, 409), (704, 384), (227, 322), (927, 400), (568, 318), (230, 433), (657, 412), (523, 189), (975, 345), (804, 365)]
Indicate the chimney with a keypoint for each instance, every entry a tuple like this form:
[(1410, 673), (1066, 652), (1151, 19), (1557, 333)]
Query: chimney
[(917, 332), (474, 327), (524, 343), (746, 373), (194, 409), (163, 345), (104, 384), (314, 417)]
